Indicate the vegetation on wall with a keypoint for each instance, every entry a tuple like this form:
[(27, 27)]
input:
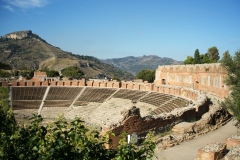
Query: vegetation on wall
[(212, 56), (146, 75), (63, 140), (232, 66)]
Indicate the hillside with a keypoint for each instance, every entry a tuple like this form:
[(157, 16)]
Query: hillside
[(26, 50), (135, 64)]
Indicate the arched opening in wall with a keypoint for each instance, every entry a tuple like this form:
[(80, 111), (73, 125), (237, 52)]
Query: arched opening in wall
[(70, 83), (196, 85), (163, 81)]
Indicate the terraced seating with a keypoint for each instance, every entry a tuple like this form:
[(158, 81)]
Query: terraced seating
[(63, 93), (18, 105), (28, 93), (129, 94), (156, 99), (180, 102), (96, 94), (57, 103)]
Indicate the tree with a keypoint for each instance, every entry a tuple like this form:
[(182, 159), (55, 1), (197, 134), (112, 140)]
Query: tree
[(211, 57), (213, 54), (189, 60), (50, 73), (5, 66), (232, 66), (116, 78), (197, 59), (28, 74), (62, 139), (73, 72), (205, 58), (4, 73), (146, 75)]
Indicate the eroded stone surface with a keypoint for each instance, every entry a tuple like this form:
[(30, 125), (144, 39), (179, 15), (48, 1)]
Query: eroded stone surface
[(233, 141), (216, 117), (233, 154), (212, 151)]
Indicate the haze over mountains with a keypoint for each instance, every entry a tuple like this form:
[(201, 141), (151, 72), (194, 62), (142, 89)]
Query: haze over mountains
[(135, 64), (26, 50)]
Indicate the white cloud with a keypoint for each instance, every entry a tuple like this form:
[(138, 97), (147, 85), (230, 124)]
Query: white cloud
[(9, 8), (25, 4)]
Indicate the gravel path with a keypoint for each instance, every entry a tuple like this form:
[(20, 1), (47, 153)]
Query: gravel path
[(188, 150)]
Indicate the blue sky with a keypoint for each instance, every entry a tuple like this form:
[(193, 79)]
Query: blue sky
[(120, 28)]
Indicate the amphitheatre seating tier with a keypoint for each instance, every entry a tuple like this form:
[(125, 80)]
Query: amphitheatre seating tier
[(26, 104), (129, 94), (28, 93), (165, 103), (31, 97), (156, 99), (180, 102), (57, 103), (92, 94), (63, 93)]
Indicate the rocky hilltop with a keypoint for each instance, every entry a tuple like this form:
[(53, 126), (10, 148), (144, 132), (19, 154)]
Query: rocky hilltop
[(26, 50), (18, 35), (135, 64)]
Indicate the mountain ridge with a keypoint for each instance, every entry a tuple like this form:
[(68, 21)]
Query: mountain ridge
[(134, 65), (26, 50)]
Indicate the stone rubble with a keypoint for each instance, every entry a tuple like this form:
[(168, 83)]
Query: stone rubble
[(234, 137), (213, 147), (216, 117), (233, 154)]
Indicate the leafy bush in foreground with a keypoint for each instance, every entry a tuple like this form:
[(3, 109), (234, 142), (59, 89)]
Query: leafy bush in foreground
[(62, 140)]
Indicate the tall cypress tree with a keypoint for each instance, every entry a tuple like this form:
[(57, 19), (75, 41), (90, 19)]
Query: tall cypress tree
[(197, 58)]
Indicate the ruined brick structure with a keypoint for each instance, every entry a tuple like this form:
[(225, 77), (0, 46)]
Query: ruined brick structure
[(181, 88), (205, 77)]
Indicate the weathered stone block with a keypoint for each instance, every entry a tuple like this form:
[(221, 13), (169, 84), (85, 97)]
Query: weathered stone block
[(212, 151)]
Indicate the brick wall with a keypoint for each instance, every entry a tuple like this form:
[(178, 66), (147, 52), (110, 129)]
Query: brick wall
[(204, 77)]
